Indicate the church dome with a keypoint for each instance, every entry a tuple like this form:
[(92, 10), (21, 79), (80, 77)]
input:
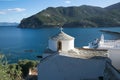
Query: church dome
[(62, 36), (61, 42)]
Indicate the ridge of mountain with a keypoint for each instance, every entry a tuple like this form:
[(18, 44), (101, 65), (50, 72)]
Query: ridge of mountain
[(82, 16)]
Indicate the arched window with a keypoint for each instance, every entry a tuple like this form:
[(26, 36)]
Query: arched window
[(59, 46)]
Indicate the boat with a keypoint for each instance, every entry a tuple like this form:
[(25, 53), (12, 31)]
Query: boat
[(28, 50)]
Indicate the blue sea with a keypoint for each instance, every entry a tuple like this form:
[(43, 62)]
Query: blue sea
[(19, 44)]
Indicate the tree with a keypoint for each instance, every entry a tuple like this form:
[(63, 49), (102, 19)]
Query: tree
[(26, 65), (3, 68), (14, 70)]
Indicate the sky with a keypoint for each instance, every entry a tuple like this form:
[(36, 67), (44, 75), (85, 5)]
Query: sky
[(16, 10)]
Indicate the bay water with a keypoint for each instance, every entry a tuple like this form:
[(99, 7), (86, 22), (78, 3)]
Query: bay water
[(19, 44)]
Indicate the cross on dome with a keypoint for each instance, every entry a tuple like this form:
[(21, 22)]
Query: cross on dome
[(61, 41)]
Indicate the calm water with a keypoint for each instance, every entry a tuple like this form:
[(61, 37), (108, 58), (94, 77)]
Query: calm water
[(14, 41)]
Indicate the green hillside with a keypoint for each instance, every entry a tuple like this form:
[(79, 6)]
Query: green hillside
[(82, 16)]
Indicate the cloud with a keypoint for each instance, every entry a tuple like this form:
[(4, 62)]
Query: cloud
[(5, 11), (2, 12), (17, 9), (67, 1)]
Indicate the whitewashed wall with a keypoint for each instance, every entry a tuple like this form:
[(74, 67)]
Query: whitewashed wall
[(66, 45), (114, 55), (52, 45)]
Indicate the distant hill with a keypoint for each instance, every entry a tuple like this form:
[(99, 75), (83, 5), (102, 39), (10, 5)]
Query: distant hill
[(114, 7), (8, 24), (82, 16)]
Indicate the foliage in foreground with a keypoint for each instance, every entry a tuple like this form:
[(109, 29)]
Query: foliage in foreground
[(16, 71), (26, 65), (3, 69)]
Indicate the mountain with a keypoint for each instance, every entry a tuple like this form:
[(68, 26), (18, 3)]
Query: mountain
[(114, 7), (8, 24), (82, 16)]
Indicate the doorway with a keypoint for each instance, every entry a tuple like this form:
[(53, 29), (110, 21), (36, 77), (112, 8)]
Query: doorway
[(59, 46)]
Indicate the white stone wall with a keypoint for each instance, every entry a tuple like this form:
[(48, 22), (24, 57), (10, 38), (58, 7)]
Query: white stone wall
[(109, 44), (66, 45), (52, 45), (114, 55)]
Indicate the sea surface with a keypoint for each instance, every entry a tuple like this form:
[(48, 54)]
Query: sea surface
[(19, 44)]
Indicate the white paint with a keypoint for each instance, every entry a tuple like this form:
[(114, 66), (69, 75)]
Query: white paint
[(52, 44), (108, 44), (66, 45), (104, 44), (114, 55), (61, 42)]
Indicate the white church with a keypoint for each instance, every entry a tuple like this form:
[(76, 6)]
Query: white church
[(62, 61), (112, 47), (61, 42)]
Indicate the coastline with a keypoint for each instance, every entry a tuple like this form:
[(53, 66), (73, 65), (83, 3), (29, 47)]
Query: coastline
[(109, 31)]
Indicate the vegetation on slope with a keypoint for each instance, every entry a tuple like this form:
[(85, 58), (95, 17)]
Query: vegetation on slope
[(82, 16), (16, 71)]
